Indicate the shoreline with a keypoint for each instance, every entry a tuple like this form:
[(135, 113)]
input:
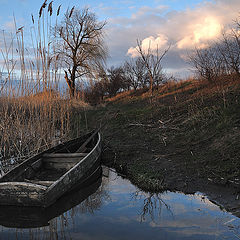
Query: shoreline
[(225, 196), (185, 139)]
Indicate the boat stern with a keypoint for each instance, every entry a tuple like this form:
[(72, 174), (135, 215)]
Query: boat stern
[(22, 194)]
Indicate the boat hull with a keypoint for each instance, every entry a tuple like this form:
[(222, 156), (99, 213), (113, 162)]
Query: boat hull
[(45, 193)]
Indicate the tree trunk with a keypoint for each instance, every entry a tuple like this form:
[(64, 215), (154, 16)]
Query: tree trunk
[(151, 83), (73, 77), (71, 82)]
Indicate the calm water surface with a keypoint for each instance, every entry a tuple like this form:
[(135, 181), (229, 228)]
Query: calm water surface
[(115, 209)]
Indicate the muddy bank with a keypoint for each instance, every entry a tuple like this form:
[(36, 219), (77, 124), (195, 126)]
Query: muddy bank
[(225, 196), (150, 168)]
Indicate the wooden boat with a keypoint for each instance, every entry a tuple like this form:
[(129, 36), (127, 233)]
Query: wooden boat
[(44, 178), (34, 217)]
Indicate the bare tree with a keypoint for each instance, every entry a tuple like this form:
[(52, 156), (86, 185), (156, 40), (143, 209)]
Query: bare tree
[(208, 62), (229, 47), (152, 60), (135, 73), (80, 45), (219, 58), (115, 80)]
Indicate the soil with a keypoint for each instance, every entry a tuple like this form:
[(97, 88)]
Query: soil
[(184, 138)]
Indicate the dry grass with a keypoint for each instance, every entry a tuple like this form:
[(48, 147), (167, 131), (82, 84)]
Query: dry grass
[(191, 128), (191, 89), (31, 124)]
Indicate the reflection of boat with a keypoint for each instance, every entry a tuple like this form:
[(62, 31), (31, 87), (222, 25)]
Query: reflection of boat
[(32, 217), (42, 179)]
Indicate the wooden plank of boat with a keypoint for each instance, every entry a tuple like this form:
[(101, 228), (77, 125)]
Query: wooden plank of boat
[(83, 146), (15, 190), (64, 155), (43, 183), (25, 193), (75, 175), (62, 160)]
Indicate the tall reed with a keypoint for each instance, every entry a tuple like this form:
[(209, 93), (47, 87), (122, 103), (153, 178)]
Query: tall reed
[(34, 111), (30, 124)]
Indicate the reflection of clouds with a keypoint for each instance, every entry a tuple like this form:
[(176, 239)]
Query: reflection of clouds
[(194, 200), (114, 212), (178, 208), (191, 232), (191, 226), (195, 216), (166, 196), (127, 206), (92, 236), (118, 185), (201, 199), (189, 221), (118, 220)]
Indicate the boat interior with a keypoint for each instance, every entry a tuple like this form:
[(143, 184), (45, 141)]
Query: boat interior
[(51, 165)]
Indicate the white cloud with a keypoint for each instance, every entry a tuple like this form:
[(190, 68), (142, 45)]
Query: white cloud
[(9, 24), (201, 32), (150, 43)]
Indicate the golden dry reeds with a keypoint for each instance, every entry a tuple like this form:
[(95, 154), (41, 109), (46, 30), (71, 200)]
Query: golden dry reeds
[(31, 124), (34, 112)]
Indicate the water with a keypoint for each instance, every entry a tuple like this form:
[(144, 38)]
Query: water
[(115, 209)]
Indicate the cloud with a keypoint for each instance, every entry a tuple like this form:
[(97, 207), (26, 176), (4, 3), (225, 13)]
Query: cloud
[(149, 43), (6, 40), (183, 30), (142, 11), (208, 29), (9, 25)]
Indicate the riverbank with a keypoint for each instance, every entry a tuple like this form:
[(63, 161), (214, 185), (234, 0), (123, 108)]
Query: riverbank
[(183, 138)]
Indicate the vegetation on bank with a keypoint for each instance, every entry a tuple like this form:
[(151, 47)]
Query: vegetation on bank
[(187, 131)]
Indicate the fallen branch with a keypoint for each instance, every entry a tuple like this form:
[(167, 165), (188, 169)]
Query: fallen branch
[(140, 125)]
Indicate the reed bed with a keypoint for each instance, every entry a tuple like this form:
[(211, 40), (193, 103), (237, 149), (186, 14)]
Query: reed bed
[(31, 124), (35, 112)]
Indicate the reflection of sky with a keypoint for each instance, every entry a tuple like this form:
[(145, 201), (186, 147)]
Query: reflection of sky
[(120, 216)]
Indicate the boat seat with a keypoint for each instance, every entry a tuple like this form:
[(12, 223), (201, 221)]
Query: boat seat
[(64, 155), (61, 160)]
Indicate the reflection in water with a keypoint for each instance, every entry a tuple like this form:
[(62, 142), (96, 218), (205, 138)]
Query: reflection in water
[(152, 205), (112, 208), (32, 217), (59, 217)]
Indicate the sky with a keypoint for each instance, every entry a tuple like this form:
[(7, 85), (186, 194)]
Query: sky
[(182, 24)]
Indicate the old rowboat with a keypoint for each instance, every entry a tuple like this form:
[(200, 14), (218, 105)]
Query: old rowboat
[(34, 217), (44, 178)]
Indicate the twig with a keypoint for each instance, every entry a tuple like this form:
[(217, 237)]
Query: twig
[(140, 125)]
